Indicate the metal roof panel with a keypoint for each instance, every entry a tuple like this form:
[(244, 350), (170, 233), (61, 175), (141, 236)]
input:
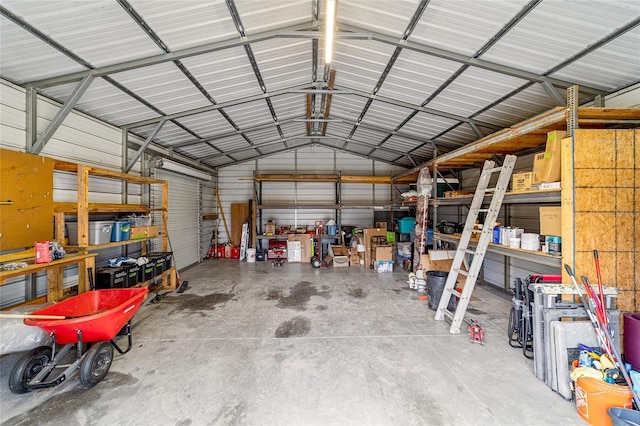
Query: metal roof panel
[(104, 101), (99, 31), (463, 26), (557, 30), (611, 67), (225, 74), (191, 24), (24, 58), (386, 17), (283, 63), (474, 89), (163, 86), (358, 63)]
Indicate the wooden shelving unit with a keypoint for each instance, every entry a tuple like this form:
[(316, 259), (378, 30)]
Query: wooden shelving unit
[(599, 160), (83, 209)]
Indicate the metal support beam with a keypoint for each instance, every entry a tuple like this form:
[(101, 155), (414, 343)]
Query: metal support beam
[(62, 113), (552, 92), (144, 146), (572, 109), (31, 124), (475, 129), (474, 62), (167, 57)]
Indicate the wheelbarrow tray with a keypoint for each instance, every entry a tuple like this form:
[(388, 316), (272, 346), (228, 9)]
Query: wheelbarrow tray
[(98, 314)]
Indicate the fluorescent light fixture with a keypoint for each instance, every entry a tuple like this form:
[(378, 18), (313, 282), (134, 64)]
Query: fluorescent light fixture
[(328, 39), (163, 163)]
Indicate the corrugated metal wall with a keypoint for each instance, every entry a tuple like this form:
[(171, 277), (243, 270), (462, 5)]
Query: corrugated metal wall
[(81, 139), (236, 186)]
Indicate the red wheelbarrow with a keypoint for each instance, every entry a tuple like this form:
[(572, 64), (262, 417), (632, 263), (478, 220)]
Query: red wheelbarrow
[(90, 320)]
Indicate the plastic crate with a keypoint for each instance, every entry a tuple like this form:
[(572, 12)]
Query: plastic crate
[(148, 271), (109, 277), (134, 273)]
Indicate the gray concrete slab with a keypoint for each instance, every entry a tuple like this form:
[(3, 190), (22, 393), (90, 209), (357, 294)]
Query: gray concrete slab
[(250, 344)]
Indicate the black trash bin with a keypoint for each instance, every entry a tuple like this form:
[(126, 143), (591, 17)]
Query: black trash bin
[(435, 286)]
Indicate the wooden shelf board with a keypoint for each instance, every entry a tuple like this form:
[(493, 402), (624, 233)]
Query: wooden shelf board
[(112, 244), (72, 208), (38, 267), (526, 134), (96, 171)]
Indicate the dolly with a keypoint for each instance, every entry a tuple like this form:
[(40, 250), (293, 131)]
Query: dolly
[(476, 333)]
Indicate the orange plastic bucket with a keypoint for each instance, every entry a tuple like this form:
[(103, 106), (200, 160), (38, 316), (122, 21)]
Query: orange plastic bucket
[(594, 397)]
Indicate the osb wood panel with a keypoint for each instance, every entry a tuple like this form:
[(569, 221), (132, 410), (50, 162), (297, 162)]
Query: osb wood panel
[(567, 205), (607, 209), (26, 214)]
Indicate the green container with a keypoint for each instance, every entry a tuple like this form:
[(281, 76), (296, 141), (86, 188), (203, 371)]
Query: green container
[(391, 237)]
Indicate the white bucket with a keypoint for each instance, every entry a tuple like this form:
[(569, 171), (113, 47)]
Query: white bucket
[(530, 238), (251, 255), (514, 242)]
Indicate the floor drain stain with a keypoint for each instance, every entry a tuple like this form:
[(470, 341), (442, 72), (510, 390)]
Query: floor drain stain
[(297, 326)]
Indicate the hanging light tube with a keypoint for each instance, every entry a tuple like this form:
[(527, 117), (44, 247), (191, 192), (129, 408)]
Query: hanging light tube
[(330, 18)]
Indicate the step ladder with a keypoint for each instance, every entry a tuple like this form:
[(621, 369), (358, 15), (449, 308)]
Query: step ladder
[(244, 240), (486, 236)]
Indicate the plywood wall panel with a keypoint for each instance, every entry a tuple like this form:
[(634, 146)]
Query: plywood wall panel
[(625, 199), (595, 199), (593, 231), (625, 238), (625, 150), (587, 178), (625, 274), (626, 301), (625, 178), (594, 150)]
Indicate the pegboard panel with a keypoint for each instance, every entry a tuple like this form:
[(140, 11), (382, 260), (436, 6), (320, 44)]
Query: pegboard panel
[(26, 199)]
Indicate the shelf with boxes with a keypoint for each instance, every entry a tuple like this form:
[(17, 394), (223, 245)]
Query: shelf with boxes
[(596, 151), (127, 224), (85, 234)]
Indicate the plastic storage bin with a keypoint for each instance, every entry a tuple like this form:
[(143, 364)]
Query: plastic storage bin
[(406, 224), (121, 231), (109, 277), (148, 270), (99, 232), (134, 273)]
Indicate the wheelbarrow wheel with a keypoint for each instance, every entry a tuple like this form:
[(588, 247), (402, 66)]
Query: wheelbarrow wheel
[(27, 368), (95, 364)]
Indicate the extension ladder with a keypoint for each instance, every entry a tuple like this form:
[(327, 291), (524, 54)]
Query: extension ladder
[(486, 235), (244, 240)]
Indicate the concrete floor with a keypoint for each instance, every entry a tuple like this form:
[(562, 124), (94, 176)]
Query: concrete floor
[(249, 344)]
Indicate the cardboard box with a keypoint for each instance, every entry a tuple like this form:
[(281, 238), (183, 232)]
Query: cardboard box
[(381, 225), (546, 165), (382, 253), (551, 221), (384, 266), (143, 232), (294, 251), (339, 256), (521, 182), (305, 246), (354, 259), (441, 260), (369, 233)]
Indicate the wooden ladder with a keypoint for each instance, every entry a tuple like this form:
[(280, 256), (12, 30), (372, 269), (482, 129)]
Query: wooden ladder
[(486, 235)]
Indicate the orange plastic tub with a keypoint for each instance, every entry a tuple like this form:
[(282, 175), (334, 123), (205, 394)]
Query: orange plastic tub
[(594, 397)]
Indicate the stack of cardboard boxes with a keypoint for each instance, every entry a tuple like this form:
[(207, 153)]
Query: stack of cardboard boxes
[(546, 167)]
